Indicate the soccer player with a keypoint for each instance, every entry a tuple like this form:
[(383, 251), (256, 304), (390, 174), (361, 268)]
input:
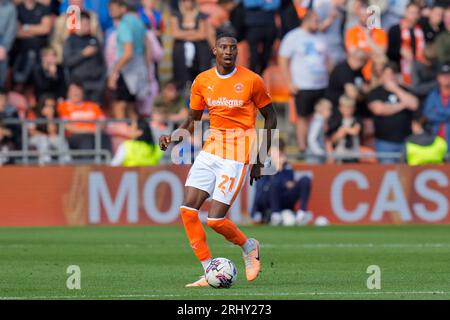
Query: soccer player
[(232, 95)]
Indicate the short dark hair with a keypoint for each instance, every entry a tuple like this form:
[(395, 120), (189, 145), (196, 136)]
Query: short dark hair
[(3, 91), (147, 134), (364, 3), (170, 82), (308, 15), (85, 15), (391, 65), (120, 3), (413, 3), (76, 83), (225, 34)]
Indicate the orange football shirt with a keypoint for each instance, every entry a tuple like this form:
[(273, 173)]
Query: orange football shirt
[(357, 38), (232, 102)]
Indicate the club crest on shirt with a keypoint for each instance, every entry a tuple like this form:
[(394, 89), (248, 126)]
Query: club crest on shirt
[(238, 87)]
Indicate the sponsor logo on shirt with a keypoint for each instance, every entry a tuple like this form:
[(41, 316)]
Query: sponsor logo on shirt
[(224, 102)]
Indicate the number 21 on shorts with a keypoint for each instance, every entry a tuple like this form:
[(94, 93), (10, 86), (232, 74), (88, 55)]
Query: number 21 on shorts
[(226, 182)]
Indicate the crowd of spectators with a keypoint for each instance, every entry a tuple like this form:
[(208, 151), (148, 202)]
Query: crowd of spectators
[(359, 73)]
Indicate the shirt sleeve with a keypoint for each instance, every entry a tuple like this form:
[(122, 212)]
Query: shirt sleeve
[(351, 39), (374, 95), (196, 101), (98, 112), (124, 32), (261, 96), (62, 111), (287, 47)]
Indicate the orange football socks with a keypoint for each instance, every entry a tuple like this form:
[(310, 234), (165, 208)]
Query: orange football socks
[(195, 233), (228, 229)]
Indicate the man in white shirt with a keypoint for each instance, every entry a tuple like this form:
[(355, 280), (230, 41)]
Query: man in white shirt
[(305, 63)]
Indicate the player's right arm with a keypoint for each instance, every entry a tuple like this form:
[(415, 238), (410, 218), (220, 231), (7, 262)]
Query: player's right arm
[(188, 124)]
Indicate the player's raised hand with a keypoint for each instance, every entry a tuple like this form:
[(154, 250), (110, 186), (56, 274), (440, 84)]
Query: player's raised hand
[(255, 174), (164, 142)]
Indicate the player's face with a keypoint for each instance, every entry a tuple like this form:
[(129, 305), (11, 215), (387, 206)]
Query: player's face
[(226, 52)]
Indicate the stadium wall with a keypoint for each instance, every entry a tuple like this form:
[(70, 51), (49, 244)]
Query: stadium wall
[(97, 195)]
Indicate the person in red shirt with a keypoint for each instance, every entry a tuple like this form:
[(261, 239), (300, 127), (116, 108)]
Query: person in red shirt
[(81, 135)]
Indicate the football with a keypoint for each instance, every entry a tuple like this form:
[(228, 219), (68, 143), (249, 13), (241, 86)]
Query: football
[(221, 273)]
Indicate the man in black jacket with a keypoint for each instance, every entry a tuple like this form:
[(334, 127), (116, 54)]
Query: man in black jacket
[(84, 59)]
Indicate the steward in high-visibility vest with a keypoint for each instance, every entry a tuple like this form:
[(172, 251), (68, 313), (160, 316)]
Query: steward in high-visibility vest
[(139, 152), (424, 149)]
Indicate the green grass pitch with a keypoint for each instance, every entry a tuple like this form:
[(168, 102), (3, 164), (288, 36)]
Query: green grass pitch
[(156, 262)]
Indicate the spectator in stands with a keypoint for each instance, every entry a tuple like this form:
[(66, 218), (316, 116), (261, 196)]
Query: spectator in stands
[(407, 42), (84, 59), (129, 76), (437, 105), (170, 105), (423, 147), (393, 107), (49, 76), (289, 17), (66, 24), (34, 27), (275, 193), (11, 133), (432, 25), (191, 53), (442, 41), (394, 13), (303, 59), (378, 63), (345, 131), (372, 41), (8, 25), (141, 150), (424, 73), (45, 136), (316, 151), (235, 24), (261, 31), (332, 17), (347, 78), (115, 12), (152, 17), (81, 135)]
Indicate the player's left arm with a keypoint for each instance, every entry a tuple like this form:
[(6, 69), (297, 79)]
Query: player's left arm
[(270, 123)]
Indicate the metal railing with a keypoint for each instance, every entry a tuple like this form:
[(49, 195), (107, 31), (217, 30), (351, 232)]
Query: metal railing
[(99, 155), (103, 156)]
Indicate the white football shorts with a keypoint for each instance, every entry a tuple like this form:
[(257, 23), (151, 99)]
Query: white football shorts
[(221, 178)]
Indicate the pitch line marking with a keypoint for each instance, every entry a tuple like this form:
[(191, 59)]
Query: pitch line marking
[(338, 293), (263, 245)]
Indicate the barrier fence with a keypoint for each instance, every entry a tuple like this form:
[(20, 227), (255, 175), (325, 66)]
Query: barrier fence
[(103, 156), (102, 195)]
